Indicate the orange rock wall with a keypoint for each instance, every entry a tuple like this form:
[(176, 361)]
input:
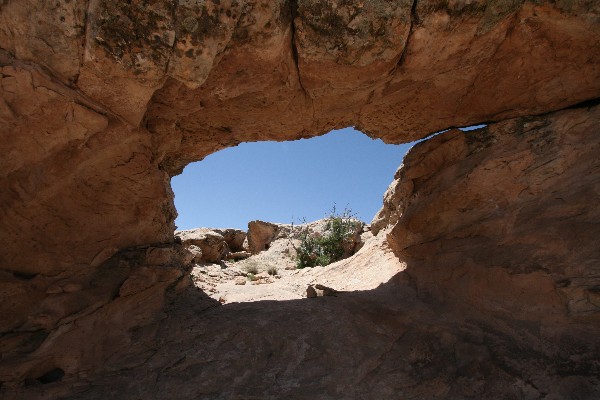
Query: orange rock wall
[(101, 102)]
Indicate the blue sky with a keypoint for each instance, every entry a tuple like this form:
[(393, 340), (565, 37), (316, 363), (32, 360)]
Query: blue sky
[(287, 181)]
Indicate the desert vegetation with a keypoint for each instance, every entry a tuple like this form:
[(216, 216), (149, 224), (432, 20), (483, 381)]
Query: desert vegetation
[(320, 249)]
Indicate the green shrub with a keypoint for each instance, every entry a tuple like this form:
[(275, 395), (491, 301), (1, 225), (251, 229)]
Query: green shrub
[(331, 245), (272, 271), (251, 269)]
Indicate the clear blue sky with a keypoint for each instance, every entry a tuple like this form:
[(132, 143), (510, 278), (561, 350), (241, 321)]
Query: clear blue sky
[(287, 181)]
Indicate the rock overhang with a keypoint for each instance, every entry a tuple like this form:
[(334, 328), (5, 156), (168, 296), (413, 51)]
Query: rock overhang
[(274, 73), (101, 103)]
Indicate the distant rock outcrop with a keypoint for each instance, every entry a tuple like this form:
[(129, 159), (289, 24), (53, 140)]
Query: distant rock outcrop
[(214, 244), (260, 235)]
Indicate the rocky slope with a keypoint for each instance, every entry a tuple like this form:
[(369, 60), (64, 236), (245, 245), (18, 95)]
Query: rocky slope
[(102, 102), (268, 269)]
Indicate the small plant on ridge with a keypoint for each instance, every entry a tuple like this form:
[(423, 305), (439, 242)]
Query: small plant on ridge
[(329, 247)]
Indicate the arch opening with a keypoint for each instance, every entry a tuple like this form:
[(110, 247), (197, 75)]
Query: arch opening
[(255, 214), (284, 182), (258, 212)]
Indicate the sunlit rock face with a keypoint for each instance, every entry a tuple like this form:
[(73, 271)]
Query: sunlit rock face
[(102, 102)]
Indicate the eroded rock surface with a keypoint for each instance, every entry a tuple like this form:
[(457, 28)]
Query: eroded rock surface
[(213, 244), (101, 102), (497, 217), (261, 234)]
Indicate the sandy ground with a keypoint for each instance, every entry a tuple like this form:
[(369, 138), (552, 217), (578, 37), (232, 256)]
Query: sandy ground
[(223, 281)]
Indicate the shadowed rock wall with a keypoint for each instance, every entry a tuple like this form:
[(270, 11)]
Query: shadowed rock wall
[(501, 219)]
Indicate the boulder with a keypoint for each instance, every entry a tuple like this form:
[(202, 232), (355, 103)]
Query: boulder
[(325, 290), (311, 292), (212, 245), (233, 237), (260, 235), (196, 253), (240, 280)]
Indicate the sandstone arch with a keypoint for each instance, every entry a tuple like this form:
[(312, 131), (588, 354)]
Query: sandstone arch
[(98, 111)]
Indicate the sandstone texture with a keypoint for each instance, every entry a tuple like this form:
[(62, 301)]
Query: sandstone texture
[(501, 213), (481, 280), (261, 234), (213, 245)]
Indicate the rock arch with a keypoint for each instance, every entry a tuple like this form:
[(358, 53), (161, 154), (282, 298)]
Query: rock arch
[(101, 102)]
